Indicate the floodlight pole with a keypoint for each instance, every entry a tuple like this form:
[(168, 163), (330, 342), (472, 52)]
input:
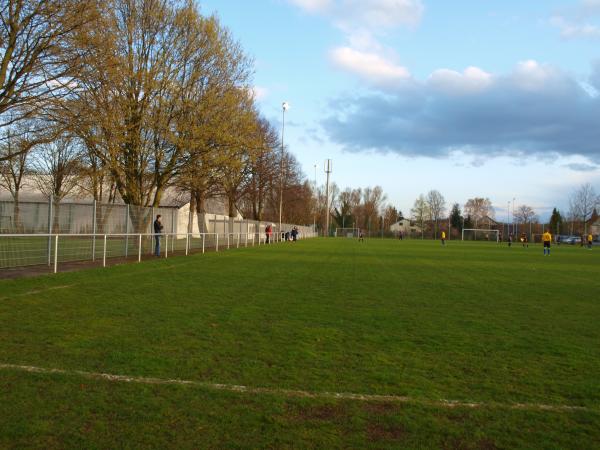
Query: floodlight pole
[(508, 220), (284, 107), (513, 216), (315, 212), (328, 170)]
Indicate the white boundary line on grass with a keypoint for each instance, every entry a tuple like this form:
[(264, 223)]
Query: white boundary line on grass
[(295, 393)]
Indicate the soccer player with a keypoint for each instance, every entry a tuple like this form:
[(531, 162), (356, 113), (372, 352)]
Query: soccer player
[(590, 239), (547, 238), (361, 236), (443, 237), (524, 240)]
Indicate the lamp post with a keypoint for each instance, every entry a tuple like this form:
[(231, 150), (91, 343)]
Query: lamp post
[(315, 212), (284, 107), (328, 170), (513, 218), (508, 220)]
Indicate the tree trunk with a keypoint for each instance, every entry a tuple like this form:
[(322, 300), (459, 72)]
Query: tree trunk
[(17, 225), (200, 210)]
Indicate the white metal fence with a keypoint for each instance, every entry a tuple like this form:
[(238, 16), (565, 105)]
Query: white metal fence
[(21, 250)]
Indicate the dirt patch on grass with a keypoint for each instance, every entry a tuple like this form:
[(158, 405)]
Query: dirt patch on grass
[(385, 432), (464, 444), (321, 413), (382, 408)]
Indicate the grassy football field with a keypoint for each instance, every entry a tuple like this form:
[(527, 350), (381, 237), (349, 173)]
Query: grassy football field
[(316, 344)]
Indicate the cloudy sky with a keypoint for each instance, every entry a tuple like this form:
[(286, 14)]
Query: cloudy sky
[(493, 98)]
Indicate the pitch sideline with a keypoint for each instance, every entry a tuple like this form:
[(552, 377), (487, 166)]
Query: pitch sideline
[(450, 404)]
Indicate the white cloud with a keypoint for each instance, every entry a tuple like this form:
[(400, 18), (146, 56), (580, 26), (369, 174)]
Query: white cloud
[(580, 21), (313, 6), (472, 80), (536, 109), (370, 14), (575, 30), (533, 76), (369, 66), (260, 93), (375, 14)]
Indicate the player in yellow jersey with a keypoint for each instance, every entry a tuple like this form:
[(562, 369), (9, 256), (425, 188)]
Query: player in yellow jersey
[(590, 239), (443, 237), (547, 239)]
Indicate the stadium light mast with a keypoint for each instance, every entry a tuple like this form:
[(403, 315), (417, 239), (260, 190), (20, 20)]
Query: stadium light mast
[(328, 170), (315, 212), (284, 107), (513, 217)]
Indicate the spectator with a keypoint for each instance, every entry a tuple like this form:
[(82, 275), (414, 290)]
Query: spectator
[(158, 227), (268, 232)]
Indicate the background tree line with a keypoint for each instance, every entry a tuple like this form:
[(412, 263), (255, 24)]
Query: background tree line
[(124, 99)]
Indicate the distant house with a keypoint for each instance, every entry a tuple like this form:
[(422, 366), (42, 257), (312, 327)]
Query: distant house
[(405, 226)]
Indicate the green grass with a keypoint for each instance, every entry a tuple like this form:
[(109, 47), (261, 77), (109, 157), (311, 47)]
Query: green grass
[(469, 322)]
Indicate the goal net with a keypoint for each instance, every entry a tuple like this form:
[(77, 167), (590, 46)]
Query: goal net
[(347, 232), (481, 235)]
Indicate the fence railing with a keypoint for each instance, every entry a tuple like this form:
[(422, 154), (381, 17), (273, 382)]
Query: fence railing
[(22, 250)]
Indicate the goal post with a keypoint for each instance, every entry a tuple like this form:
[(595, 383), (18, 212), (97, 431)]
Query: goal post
[(477, 234), (347, 232)]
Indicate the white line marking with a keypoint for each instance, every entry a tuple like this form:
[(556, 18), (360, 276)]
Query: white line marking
[(450, 404)]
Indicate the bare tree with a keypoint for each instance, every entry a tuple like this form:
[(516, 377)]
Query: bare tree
[(583, 202), (436, 205), (39, 59), (525, 214), (372, 202), (420, 213), (14, 153), (57, 168)]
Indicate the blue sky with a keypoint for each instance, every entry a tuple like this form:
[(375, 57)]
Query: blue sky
[(492, 98)]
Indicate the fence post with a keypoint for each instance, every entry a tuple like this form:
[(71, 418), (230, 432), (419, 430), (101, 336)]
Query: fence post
[(173, 231), (127, 231), (239, 238), (140, 248), (227, 238), (217, 243), (56, 253), (166, 245), (50, 217), (187, 243), (94, 229), (104, 253), (203, 234)]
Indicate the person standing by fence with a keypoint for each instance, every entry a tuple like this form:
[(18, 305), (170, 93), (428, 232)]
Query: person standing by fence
[(268, 232), (158, 227)]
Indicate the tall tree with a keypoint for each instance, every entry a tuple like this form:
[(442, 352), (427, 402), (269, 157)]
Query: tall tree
[(57, 168), (583, 202), (555, 221), (390, 216), (39, 60), (436, 205), (456, 217), (478, 209), (525, 214), (420, 213), (372, 202)]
